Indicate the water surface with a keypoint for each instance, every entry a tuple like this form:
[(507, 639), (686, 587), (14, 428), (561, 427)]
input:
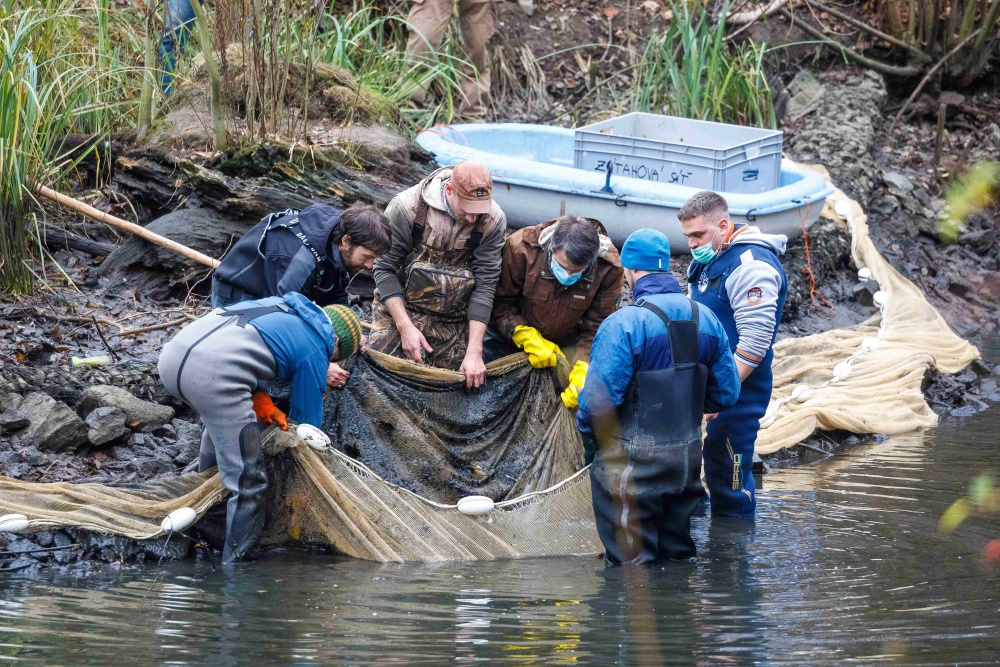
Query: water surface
[(842, 564)]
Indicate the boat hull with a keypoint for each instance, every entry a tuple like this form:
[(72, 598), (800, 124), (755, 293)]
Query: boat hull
[(534, 181)]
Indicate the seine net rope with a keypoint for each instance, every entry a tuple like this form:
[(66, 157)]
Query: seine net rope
[(864, 379)]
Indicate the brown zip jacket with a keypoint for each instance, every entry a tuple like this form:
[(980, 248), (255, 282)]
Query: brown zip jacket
[(529, 294)]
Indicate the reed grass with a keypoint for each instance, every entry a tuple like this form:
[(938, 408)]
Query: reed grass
[(370, 43), (692, 70), (52, 84)]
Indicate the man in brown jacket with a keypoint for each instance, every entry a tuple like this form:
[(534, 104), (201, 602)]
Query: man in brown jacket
[(558, 281), (435, 286)]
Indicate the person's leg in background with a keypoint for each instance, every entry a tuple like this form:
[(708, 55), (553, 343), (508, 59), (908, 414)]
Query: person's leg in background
[(178, 21), (428, 21), (478, 24)]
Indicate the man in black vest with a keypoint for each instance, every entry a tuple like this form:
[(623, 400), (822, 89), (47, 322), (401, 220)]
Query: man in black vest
[(656, 368), (315, 252)]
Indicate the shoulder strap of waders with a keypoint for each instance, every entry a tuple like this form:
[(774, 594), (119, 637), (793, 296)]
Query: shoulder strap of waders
[(247, 314), (419, 222), (684, 343), (296, 229)]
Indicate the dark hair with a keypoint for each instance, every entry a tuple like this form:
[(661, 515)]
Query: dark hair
[(576, 237), (704, 203), (367, 226)]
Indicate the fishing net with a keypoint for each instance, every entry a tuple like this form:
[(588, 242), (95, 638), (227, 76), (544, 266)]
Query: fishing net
[(866, 378), (409, 441)]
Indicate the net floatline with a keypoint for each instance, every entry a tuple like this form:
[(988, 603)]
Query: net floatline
[(864, 379)]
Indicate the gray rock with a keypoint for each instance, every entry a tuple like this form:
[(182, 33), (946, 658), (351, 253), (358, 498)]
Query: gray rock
[(13, 420), (150, 416), (189, 439), (897, 183), (120, 453), (806, 93), (53, 425), (864, 292), (10, 401), (105, 424), (841, 135)]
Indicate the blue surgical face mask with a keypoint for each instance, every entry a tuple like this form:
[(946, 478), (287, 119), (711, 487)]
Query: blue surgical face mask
[(705, 253), (562, 275)]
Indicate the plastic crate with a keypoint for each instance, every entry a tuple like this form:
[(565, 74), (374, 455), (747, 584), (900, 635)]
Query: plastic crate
[(681, 151)]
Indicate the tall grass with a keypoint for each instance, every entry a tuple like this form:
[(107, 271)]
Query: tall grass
[(51, 85), (691, 70), (371, 44)]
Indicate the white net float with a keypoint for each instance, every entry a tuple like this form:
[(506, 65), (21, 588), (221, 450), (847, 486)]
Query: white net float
[(842, 209), (802, 392), (766, 421), (870, 344), (841, 371), (313, 436), (475, 505), (13, 523), (880, 298), (179, 519), (864, 273)]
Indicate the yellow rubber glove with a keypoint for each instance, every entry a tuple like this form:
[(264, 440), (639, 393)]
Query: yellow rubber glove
[(577, 377), (541, 353)]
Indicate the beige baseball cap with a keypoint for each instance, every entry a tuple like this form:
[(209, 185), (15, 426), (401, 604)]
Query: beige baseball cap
[(473, 185)]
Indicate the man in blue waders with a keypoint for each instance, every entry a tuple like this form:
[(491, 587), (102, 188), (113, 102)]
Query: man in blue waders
[(737, 275), (215, 365), (656, 368)]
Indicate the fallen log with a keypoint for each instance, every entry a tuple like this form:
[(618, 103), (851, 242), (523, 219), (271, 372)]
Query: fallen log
[(56, 238)]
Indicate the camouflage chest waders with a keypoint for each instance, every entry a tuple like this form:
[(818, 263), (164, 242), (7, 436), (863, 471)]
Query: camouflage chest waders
[(437, 284)]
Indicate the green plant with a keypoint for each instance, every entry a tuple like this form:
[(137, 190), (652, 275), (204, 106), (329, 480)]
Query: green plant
[(51, 86), (372, 46), (935, 28), (971, 193), (692, 70)]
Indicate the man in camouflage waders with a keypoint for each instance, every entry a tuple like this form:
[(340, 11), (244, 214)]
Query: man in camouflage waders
[(435, 286)]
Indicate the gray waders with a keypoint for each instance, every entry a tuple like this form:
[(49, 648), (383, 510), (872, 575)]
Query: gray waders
[(214, 365), (646, 475)]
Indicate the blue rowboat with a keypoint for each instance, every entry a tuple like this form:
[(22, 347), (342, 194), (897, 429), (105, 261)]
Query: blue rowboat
[(534, 180)]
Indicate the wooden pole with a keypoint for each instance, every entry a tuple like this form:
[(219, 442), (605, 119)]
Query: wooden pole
[(125, 225)]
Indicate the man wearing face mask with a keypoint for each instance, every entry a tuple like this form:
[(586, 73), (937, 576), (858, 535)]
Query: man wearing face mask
[(435, 286), (558, 281), (657, 367), (737, 274)]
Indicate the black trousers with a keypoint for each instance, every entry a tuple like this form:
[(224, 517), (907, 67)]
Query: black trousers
[(643, 501)]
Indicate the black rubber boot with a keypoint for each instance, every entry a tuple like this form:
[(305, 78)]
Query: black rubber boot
[(245, 516)]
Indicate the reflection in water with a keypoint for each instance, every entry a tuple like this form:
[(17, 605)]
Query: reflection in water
[(842, 563)]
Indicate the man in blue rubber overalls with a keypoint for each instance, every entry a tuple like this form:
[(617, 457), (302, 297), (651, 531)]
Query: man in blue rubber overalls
[(656, 368), (737, 275)]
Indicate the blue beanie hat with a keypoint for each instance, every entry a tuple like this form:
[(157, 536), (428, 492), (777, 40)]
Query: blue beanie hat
[(646, 250)]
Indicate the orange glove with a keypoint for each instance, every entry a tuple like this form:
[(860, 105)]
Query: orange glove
[(264, 408)]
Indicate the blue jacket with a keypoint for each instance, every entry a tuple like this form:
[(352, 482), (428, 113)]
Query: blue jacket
[(635, 339), (301, 343)]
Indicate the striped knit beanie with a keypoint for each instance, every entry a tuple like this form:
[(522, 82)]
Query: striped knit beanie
[(347, 326)]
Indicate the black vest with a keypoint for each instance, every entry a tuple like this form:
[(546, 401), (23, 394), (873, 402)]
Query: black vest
[(244, 267), (665, 407)]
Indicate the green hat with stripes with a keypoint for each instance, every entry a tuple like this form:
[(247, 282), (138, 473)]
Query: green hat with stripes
[(347, 326)]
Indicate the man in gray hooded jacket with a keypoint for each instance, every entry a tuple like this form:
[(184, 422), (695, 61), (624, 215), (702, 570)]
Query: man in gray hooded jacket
[(737, 274)]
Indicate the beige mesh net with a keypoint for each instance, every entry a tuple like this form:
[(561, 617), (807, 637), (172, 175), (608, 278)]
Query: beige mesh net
[(864, 379)]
